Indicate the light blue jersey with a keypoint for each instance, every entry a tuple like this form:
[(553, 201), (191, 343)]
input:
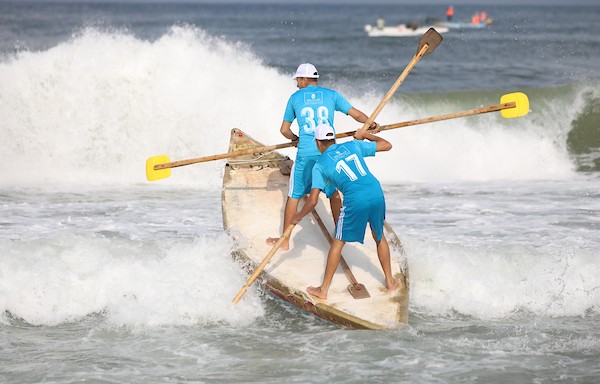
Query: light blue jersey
[(343, 166), (311, 106)]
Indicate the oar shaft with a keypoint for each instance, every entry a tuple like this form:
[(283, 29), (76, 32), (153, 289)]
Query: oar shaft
[(249, 151), (449, 116), (470, 112), (242, 152), (263, 264), (343, 263), (396, 85)]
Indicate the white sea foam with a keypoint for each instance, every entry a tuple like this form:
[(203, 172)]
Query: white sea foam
[(66, 277), (94, 108), (499, 281)]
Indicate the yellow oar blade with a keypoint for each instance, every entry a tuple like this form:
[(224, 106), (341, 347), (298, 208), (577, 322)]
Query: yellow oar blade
[(521, 105), (156, 174)]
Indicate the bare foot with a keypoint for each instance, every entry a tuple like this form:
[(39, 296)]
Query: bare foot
[(317, 292), (272, 240), (392, 285)]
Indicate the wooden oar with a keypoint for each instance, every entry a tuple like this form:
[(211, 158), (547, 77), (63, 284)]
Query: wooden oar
[(512, 105), (263, 264), (427, 44), (159, 167), (357, 290)]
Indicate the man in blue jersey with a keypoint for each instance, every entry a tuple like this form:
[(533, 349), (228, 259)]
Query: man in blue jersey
[(343, 166), (311, 105)]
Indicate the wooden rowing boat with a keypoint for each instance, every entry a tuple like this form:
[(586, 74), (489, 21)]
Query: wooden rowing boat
[(253, 197)]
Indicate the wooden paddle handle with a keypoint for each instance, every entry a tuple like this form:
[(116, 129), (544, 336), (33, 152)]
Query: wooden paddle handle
[(469, 112), (242, 152), (343, 263), (410, 123), (263, 264), (395, 86)]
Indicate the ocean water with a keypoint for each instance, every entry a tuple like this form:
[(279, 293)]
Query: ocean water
[(105, 277)]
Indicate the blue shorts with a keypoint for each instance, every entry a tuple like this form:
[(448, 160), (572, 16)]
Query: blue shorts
[(353, 220), (301, 177)]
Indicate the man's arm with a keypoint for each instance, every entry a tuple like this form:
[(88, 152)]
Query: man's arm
[(382, 144), (287, 131), (362, 118), (309, 205)]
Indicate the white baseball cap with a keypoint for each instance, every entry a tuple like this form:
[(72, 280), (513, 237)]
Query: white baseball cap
[(324, 132), (306, 70)]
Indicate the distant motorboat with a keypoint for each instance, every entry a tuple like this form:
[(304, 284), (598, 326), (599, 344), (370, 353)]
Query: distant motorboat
[(400, 30), (462, 24)]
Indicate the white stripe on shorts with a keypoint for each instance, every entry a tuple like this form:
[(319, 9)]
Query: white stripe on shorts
[(340, 224), (291, 185)]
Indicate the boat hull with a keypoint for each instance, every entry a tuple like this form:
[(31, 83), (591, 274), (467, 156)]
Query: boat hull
[(400, 31), (253, 197), (460, 25)]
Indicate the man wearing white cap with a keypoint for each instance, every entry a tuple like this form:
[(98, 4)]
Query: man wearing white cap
[(343, 165), (311, 105)]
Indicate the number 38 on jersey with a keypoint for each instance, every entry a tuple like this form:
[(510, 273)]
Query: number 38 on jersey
[(313, 118)]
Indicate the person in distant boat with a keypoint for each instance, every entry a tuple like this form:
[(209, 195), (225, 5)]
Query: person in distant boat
[(380, 23), (310, 105), (475, 18), (343, 165), (450, 13), (482, 16)]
